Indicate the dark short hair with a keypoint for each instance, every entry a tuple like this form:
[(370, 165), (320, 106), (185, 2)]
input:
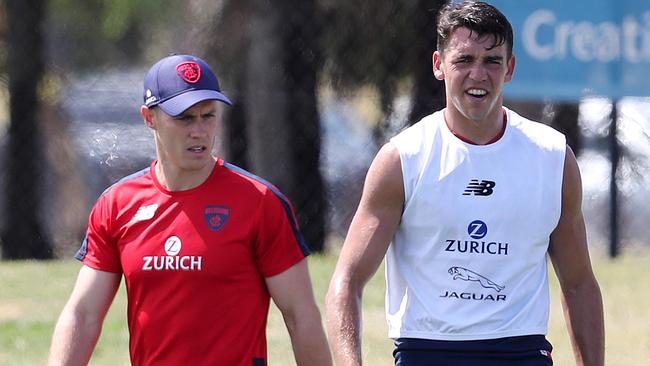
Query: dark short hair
[(477, 16)]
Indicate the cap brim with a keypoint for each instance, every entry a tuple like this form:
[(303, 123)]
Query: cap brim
[(178, 104)]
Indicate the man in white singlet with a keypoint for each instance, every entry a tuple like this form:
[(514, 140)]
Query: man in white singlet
[(466, 206)]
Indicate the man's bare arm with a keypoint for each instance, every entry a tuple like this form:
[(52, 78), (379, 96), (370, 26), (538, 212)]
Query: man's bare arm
[(370, 233), (581, 297), (79, 325), (292, 292)]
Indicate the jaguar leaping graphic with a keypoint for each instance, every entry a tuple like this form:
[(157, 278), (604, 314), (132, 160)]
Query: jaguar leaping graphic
[(460, 273)]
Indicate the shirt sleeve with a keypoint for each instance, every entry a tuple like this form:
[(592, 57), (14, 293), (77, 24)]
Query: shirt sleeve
[(279, 243), (99, 250)]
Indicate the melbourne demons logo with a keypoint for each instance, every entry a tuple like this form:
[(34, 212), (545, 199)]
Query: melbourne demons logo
[(216, 216), (189, 71)]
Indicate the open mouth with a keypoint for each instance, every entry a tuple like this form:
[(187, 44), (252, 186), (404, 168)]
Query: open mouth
[(477, 93), (197, 149)]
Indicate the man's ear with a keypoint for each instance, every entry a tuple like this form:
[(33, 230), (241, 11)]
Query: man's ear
[(437, 66), (148, 116), (511, 69)]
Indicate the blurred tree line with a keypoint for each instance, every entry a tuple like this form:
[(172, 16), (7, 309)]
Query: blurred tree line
[(272, 57)]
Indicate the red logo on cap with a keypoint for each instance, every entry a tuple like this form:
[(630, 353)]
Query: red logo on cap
[(189, 71)]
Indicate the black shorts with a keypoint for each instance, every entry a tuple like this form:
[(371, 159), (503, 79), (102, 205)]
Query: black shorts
[(532, 350)]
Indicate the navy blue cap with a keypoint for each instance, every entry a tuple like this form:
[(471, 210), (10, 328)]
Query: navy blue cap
[(178, 82)]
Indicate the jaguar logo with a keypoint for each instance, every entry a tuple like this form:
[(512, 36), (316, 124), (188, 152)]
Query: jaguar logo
[(460, 273)]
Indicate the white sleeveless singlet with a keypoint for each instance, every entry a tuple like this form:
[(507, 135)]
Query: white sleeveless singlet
[(468, 260)]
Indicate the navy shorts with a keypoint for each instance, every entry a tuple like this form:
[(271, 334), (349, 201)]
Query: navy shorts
[(532, 350)]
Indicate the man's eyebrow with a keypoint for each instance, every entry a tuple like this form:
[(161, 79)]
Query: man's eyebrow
[(464, 56), (494, 58), (183, 115)]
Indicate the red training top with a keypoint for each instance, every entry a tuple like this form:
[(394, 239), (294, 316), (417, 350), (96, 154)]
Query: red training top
[(194, 263)]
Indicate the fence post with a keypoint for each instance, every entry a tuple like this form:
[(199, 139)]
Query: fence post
[(613, 185)]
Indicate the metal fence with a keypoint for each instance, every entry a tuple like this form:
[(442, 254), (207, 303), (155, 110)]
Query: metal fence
[(90, 134)]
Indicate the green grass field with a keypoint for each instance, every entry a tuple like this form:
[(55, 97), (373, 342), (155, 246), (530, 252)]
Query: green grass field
[(33, 293)]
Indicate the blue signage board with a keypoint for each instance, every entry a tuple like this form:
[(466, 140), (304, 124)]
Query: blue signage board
[(567, 49)]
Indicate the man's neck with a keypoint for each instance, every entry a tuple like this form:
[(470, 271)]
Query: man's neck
[(176, 179), (482, 132)]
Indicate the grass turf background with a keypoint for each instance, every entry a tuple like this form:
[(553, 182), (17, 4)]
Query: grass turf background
[(32, 295)]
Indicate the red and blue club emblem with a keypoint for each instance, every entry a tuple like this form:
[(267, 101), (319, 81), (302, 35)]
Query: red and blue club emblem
[(189, 71), (216, 216)]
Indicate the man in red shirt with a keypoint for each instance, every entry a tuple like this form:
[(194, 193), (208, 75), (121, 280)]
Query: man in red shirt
[(202, 246)]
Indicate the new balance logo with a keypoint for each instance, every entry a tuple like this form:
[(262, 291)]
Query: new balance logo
[(482, 188), (144, 213)]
